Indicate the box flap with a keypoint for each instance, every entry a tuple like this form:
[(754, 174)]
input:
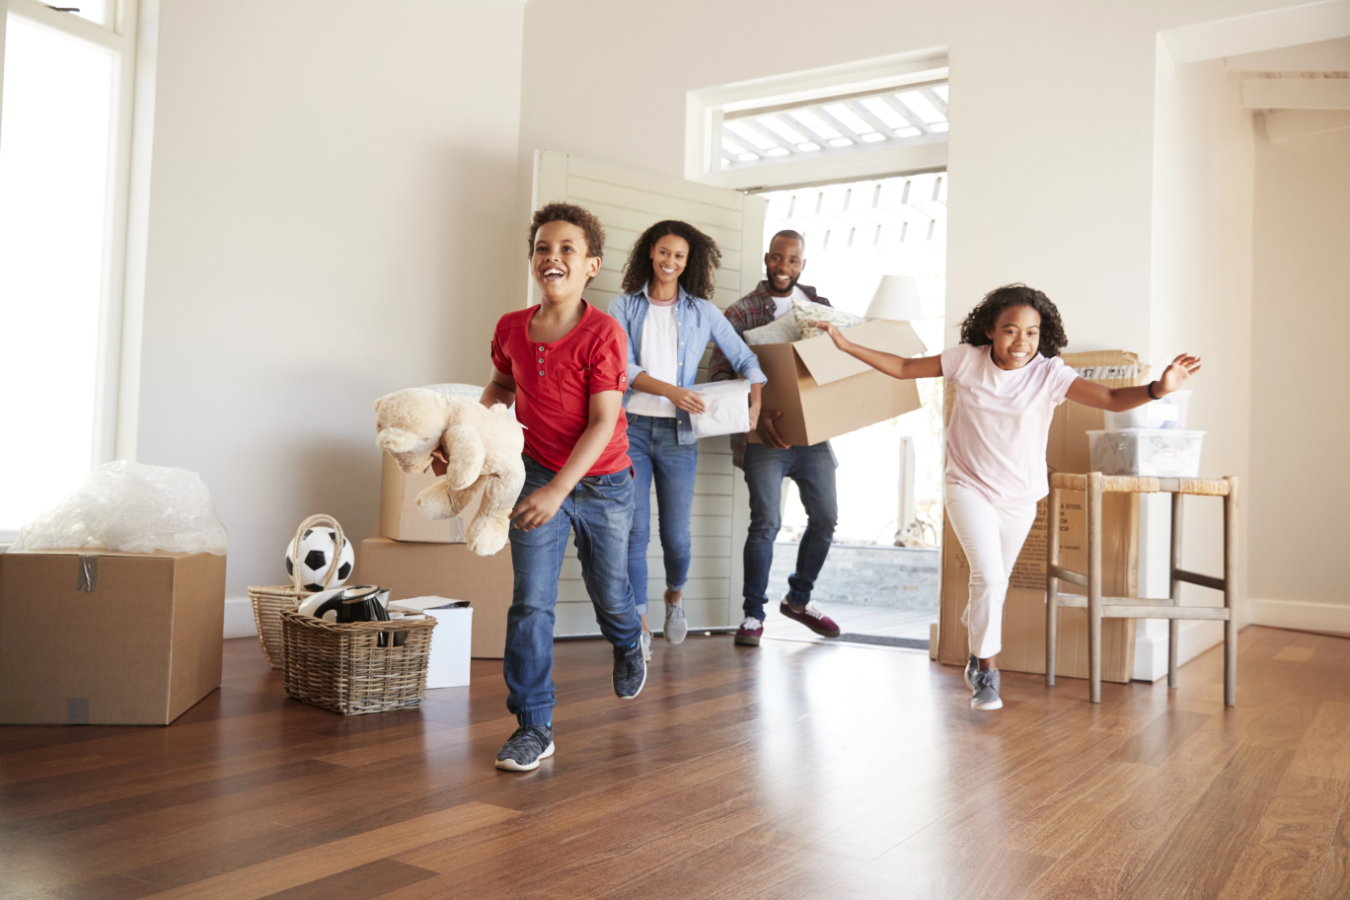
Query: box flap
[(422, 604), (827, 363), (1106, 365)]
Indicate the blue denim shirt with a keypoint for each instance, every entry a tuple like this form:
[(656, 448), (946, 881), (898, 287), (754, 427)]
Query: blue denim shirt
[(696, 320)]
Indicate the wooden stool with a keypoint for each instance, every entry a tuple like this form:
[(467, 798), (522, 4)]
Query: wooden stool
[(1098, 607)]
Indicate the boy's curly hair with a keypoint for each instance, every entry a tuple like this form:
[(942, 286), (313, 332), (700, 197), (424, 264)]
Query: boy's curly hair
[(700, 267), (578, 216), (985, 315)]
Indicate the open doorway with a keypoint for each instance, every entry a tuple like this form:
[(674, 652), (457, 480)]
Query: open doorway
[(890, 474)]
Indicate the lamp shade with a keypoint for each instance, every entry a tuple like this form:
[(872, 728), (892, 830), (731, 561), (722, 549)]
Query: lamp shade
[(897, 299)]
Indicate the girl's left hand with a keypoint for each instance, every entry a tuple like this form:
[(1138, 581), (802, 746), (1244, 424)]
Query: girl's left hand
[(1175, 376)]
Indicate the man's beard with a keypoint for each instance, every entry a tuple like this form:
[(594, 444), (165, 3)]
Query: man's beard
[(773, 287)]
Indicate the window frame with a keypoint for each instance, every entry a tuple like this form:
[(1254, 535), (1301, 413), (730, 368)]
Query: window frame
[(119, 36)]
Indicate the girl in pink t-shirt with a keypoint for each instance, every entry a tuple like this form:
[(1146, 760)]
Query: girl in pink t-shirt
[(1008, 378)]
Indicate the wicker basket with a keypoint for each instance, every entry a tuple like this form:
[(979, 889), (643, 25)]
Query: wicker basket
[(269, 602), (343, 667)]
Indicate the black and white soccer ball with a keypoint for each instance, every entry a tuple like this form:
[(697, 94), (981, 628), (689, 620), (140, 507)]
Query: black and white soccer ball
[(317, 549)]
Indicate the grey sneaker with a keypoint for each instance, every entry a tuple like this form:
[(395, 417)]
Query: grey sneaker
[(646, 645), (525, 748), (676, 626), (971, 667), (630, 671), (984, 689)]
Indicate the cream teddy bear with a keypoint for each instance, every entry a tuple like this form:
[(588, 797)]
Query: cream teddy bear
[(482, 448)]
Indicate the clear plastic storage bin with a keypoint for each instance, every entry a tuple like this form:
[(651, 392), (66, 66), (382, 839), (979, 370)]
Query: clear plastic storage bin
[(1159, 452), (1168, 413)]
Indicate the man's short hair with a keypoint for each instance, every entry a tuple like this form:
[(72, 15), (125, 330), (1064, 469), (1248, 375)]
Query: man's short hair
[(578, 216), (789, 233)]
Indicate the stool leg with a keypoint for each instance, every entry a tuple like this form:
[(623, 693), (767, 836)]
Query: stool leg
[(1230, 592), (1174, 592), (1094, 528), (1051, 584)]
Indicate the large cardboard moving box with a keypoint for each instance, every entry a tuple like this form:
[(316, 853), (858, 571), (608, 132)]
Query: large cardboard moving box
[(400, 520), (411, 570), (104, 638), (823, 392), (1024, 611)]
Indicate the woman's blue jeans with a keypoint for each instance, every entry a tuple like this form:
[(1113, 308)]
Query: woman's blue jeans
[(600, 510), (657, 454)]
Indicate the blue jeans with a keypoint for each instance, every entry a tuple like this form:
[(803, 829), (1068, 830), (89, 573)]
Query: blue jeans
[(600, 509), (656, 452), (812, 468)]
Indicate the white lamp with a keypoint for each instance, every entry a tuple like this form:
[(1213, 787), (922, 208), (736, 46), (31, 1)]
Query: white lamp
[(897, 299)]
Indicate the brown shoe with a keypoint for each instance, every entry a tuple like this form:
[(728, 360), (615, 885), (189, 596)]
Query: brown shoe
[(750, 632), (810, 616)]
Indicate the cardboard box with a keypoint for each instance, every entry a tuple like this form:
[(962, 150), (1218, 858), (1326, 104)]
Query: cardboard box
[(400, 520), (451, 641), (823, 392), (411, 570), (104, 638), (1024, 610)]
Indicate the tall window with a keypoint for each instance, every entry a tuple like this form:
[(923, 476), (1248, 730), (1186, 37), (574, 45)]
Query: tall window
[(64, 132)]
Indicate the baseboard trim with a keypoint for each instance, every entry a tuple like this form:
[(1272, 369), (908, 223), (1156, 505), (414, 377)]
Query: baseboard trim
[(1299, 615), (239, 618)]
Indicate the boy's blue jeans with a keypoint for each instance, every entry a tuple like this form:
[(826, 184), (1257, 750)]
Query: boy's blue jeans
[(655, 449), (812, 468), (600, 510)]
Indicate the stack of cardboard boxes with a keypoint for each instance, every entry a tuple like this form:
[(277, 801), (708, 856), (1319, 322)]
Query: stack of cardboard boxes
[(417, 557)]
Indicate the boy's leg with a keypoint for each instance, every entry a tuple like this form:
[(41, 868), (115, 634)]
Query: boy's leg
[(765, 468), (603, 511), (536, 558), (813, 470), (639, 452)]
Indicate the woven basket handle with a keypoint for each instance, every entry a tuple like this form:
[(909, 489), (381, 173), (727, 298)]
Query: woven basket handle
[(316, 521)]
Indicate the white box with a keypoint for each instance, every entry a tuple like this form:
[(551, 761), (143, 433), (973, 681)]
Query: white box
[(1146, 451), (1167, 413), (450, 642)]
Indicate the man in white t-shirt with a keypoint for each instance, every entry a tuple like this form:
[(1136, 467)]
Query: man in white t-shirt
[(766, 464)]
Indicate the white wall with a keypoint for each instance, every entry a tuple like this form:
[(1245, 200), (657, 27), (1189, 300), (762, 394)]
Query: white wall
[(331, 218), (1300, 491)]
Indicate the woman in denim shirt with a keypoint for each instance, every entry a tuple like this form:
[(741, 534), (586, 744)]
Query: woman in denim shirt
[(669, 272)]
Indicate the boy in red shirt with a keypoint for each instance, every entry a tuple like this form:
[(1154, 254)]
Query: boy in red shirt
[(564, 364)]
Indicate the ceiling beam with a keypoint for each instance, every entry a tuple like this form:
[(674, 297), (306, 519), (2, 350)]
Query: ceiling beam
[(1296, 93)]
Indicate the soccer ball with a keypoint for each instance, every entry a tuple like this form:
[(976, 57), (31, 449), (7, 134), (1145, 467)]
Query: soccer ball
[(317, 549)]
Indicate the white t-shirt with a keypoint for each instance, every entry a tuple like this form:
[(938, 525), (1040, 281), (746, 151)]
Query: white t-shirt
[(1000, 423), (783, 305), (658, 356)]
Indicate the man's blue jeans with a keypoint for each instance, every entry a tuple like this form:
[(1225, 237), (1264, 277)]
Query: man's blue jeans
[(600, 510), (656, 452), (812, 468)]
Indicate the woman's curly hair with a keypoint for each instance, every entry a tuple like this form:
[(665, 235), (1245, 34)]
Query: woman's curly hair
[(700, 267), (980, 320)]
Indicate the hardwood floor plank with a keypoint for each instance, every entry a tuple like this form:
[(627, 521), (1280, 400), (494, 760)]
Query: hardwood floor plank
[(1335, 882), (374, 879), (1287, 853), (1056, 825), (1325, 751)]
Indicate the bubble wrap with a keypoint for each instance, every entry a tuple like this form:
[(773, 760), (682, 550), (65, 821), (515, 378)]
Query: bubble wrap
[(133, 508)]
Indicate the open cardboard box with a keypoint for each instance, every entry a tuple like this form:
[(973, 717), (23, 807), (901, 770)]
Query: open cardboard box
[(823, 392), (104, 638), (1024, 610), (401, 520)]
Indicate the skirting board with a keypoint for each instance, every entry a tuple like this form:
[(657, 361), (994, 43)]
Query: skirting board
[(239, 618), (1299, 615)]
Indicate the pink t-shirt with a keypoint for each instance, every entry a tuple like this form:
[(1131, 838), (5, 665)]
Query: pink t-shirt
[(1000, 423)]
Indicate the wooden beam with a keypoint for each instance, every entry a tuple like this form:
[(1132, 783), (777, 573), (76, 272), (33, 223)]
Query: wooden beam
[(1296, 93)]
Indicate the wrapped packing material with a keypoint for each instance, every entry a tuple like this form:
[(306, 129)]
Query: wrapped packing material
[(1156, 452), (132, 508), (728, 409)]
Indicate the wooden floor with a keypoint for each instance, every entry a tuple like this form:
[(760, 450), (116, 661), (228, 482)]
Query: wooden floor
[(795, 770)]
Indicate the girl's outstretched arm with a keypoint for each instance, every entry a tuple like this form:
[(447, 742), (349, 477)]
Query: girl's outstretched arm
[(1174, 378), (892, 365)]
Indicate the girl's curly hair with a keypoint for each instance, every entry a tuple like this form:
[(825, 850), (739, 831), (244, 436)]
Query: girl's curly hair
[(984, 316), (700, 267)]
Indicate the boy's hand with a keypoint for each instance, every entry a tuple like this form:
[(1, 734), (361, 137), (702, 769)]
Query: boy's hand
[(840, 341), (1175, 376), (537, 508), (754, 414), (768, 434), (687, 400), (438, 462)]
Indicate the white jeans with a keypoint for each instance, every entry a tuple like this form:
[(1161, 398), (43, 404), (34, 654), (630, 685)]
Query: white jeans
[(992, 536)]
